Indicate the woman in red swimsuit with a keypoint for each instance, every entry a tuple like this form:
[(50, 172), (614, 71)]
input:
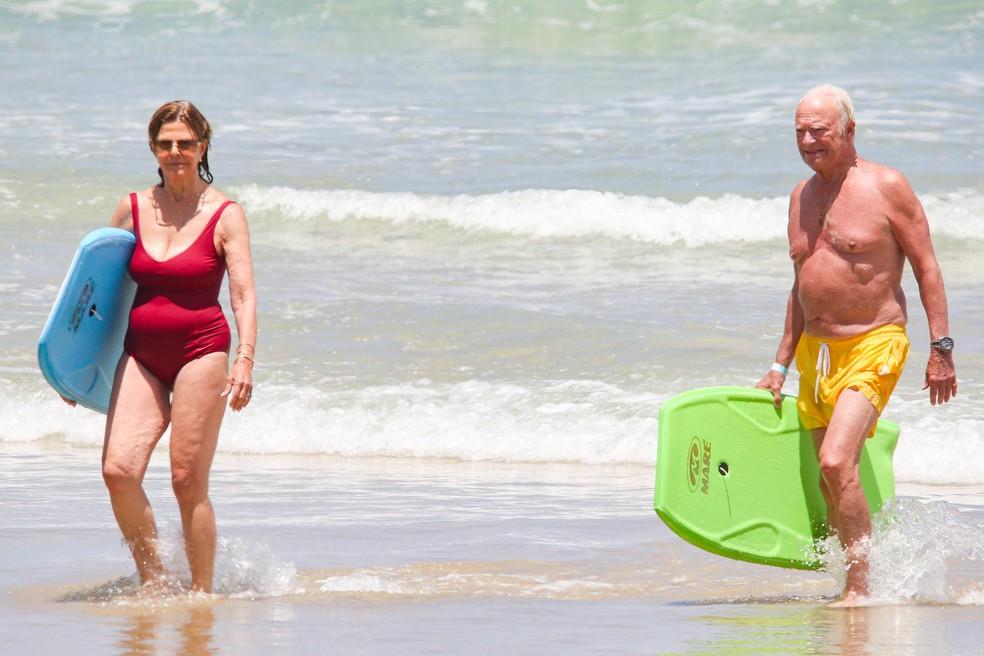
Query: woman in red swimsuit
[(175, 366)]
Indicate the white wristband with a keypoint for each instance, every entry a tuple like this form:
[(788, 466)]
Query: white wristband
[(779, 368)]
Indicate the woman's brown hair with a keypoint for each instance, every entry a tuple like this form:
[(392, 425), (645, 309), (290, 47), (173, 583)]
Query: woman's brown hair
[(184, 111)]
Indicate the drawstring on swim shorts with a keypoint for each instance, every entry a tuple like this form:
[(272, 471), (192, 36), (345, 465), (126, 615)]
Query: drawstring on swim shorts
[(823, 369)]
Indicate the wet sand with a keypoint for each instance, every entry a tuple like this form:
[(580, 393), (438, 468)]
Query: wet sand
[(393, 556)]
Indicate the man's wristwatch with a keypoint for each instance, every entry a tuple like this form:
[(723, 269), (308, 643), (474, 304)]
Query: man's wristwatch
[(943, 344)]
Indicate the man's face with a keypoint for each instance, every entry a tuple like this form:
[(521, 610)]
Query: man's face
[(819, 136)]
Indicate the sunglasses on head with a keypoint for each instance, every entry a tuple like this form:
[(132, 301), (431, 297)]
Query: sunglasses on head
[(167, 145)]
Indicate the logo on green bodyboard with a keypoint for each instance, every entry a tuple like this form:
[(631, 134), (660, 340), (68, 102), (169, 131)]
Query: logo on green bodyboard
[(699, 465)]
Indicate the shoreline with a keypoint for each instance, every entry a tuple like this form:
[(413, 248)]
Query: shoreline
[(970, 494), (422, 556)]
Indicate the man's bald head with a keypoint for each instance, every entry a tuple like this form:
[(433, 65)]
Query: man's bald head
[(830, 94)]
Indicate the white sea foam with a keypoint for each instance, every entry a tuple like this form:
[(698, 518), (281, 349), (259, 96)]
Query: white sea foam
[(546, 213), (360, 582), (972, 597), (57, 9), (468, 579), (541, 213), (472, 420), (32, 415), (938, 451), (583, 421)]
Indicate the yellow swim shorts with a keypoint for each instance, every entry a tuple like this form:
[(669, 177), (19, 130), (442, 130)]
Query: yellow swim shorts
[(870, 363)]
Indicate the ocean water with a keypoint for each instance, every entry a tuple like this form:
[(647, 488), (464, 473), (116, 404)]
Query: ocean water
[(490, 238)]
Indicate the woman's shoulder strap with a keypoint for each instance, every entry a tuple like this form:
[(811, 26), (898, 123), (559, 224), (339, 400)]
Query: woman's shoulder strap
[(135, 211)]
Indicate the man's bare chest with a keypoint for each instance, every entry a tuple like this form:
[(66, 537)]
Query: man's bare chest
[(843, 227)]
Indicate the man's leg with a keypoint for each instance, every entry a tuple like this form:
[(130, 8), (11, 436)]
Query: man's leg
[(818, 434), (839, 454)]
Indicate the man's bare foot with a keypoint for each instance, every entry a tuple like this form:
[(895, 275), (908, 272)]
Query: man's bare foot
[(850, 600), (856, 587)]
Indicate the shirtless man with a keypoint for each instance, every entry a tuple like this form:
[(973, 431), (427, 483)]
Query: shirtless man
[(852, 225)]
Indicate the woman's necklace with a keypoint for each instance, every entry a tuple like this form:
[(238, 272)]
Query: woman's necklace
[(183, 216)]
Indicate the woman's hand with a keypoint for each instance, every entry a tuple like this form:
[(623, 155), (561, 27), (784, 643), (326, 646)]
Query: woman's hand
[(239, 384)]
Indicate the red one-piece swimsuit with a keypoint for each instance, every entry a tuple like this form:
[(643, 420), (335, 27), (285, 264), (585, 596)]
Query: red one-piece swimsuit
[(176, 316)]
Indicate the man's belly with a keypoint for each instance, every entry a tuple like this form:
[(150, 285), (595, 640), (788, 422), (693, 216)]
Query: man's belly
[(837, 303)]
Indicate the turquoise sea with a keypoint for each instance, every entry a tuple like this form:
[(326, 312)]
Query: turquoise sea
[(491, 237)]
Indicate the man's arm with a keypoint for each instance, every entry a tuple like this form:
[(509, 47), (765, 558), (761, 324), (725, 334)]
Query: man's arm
[(793, 325), (911, 230), (792, 329)]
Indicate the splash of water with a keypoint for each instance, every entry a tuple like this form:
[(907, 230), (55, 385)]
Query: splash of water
[(243, 570), (921, 551)]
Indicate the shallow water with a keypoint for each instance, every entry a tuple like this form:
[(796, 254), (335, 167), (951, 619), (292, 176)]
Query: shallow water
[(425, 556)]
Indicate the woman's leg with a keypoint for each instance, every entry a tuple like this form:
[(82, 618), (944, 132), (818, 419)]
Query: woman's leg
[(196, 415), (138, 415)]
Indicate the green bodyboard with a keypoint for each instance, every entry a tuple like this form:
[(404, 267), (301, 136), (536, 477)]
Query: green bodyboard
[(739, 477)]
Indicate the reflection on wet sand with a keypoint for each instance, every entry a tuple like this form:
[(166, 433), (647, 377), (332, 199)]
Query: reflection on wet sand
[(142, 633), (873, 630), (196, 632), (801, 629), (850, 636), (152, 621), (139, 636)]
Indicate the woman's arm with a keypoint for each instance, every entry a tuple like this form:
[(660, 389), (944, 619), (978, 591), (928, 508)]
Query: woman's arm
[(123, 215), (234, 234)]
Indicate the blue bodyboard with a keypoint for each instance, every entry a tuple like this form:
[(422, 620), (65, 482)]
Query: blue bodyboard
[(82, 341)]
